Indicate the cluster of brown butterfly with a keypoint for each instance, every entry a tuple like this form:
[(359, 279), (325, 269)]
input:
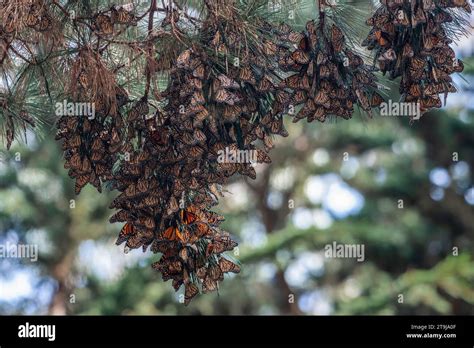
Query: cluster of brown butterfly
[(34, 15), (89, 150), (410, 40), (170, 184), (226, 92), (330, 78), (104, 22), (38, 17)]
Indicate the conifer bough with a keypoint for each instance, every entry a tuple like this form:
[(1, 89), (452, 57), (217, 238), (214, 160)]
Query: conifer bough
[(231, 76)]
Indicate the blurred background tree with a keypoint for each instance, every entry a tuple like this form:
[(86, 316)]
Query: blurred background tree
[(405, 192)]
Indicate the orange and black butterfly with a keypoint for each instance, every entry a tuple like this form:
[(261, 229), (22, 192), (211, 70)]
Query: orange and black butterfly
[(247, 75), (224, 96), (120, 15), (265, 84), (190, 291), (81, 181), (209, 285), (184, 59), (201, 229), (381, 38), (337, 38), (187, 217), (300, 57), (172, 233), (199, 71), (287, 34), (103, 24), (127, 231), (376, 100), (228, 266), (31, 19), (215, 273), (227, 82)]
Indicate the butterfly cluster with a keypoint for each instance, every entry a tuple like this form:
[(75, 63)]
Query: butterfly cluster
[(169, 185), (104, 22), (328, 78), (410, 39), (32, 14)]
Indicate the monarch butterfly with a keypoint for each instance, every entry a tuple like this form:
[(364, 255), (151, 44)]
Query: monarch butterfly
[(381, 38), (300, 57), (227, 82), (282, 97), (247, 75), (428, 5), (307, 109), (228, 266), (223, 96), (83, 79), (199, 71), (188, 138), (187, 217), (103, 24), (458, 65), (151, 201), (269, 48), (417, 63), (262, 157), (200, 136), (431, 102), (75, 161), (81, 181), (209, 285), (276, 125), (215, 273), (173, 204), (419, 17), (201, 229), (265, 85), (324, 71), (216, 40), (293, 37), (337, 38), (121, 16), (223, 243), (74, 141), (172, 233), (299, 97), (322, 98), (184, 59), (131, 191), (198, 98), (143, 185), (319, 114), (97, 156), (378, 19), (31, 19), (194, 83), (363, 99), (190, 291), (415, 90), (376, 100)]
